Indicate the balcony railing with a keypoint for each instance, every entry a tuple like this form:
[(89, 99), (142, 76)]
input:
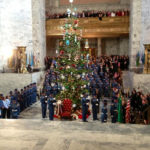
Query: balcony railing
[(93, 27)]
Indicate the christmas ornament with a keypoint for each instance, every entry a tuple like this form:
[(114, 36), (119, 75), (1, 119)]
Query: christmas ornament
[(61, 68), (75, 22), (78, 76), (67, 42), (73, 65), (68, 67), (74, 105), (60, 43), (75, 39), (61, 52), (62, 77)]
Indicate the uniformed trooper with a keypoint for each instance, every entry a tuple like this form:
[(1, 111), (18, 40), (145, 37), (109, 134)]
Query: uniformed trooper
[(51, 105), (28, 96), (14, 109), (55, 89), (1, 105), (95, 104), (43, 101), (48, 89), (25, 97), (16, 94), (104, 112), (11, 96), (85, 105), (113, 112), (106, 88)]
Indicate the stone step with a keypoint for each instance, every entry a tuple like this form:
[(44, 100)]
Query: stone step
[(36, 134)]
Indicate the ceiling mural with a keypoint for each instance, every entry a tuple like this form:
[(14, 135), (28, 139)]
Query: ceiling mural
[(66, 2)]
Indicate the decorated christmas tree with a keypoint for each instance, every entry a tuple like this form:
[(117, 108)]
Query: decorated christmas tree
[(72, 62)]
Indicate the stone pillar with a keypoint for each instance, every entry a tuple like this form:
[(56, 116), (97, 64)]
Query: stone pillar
[(139, 29), (135, 31), (39, 32), (99, 47), (145, 37)]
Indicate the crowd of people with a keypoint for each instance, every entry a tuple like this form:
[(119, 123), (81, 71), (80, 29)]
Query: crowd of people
[(17, 101), (88, 13), (139, 102), (105, 81)]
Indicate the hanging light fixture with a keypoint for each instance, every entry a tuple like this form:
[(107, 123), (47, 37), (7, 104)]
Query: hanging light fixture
[(86, 43), (71, 1)]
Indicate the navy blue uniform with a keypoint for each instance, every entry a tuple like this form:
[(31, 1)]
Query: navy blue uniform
[(113, 112), (51, 102), (104, 114), (95, 103), (44, 106), (14, 110), (84, 103)]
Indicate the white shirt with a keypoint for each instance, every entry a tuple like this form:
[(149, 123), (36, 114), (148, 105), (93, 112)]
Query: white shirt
[(6, 103)]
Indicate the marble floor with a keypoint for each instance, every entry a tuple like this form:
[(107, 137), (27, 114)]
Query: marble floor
[(31, 132), (38, 134)]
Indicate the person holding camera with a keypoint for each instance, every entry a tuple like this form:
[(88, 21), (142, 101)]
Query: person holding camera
[(43, 101)]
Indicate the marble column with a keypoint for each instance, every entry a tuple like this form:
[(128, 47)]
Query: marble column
[(145, 37), (99, 47), (39, 32), (139, 29), (135, 31)]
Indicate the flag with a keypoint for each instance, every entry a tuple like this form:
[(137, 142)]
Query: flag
[(143, 58), (128, 112), (120, 115), (27, 62), (138, 59), (31, 59)]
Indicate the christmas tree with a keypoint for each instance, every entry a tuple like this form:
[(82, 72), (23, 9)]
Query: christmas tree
[(72, 63)]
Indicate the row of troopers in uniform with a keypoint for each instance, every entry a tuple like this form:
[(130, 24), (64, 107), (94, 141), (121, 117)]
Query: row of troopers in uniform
[(17, 101), (95, 108), (50, 102)]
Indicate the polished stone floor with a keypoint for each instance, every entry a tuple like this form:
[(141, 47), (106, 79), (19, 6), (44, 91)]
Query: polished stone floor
[(38, 134), (31, 132)]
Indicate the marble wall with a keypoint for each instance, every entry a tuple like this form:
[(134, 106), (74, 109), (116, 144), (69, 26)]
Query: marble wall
[(137, 81), (135, 31), (11, 81), (116, 46), (145, 36), (15, 27), (139, 28), (22, 23)]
